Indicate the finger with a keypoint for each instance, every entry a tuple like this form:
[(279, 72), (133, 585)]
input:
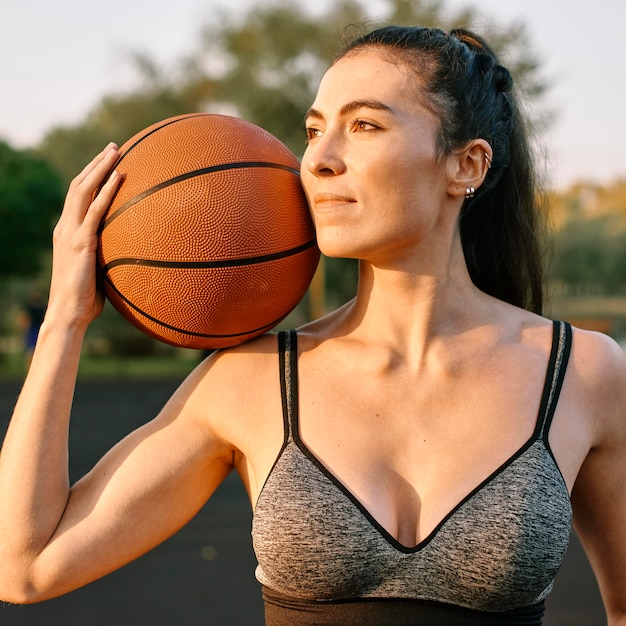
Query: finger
[(93, 164), (101, 203), (94, 178), (84, 186)]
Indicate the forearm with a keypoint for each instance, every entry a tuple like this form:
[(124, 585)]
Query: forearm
[(34, 484), (33, 463)]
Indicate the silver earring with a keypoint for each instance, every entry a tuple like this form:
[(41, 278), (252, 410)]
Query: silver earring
[(469, 192), (488, 160)]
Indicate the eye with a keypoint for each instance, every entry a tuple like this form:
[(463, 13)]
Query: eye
[(312, 133), (360, 125)]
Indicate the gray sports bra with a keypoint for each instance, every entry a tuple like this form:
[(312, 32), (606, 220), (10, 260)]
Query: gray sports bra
[(497, 551)]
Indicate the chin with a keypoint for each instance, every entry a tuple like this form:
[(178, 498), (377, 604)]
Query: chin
[(337, 249), (335, 241)]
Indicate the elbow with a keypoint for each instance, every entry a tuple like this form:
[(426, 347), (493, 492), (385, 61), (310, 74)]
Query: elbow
[(16, 587), (11, 594)]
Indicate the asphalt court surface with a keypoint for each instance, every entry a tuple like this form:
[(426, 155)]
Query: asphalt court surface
[(204, 575)]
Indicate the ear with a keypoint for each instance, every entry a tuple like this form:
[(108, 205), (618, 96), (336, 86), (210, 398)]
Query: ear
[(467, 168)]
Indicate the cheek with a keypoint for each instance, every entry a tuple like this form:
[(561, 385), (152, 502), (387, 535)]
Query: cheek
[(414, 173), (399, 163), (306, 180)]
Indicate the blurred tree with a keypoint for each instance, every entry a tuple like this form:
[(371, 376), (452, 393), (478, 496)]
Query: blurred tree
[(590, 256), (264, 65), (120, 116), (31, 196), (589, 250), (595, 200), (267, 63)]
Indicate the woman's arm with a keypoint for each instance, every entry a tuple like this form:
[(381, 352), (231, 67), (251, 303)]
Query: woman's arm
[(599, 495), (53, 538)]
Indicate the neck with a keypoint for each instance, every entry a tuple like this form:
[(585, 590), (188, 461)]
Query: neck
[(406, 308)]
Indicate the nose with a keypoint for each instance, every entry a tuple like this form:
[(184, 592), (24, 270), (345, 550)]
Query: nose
[(323, 156)]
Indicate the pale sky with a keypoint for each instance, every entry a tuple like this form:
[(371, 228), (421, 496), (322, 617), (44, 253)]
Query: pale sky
[(59, 58)]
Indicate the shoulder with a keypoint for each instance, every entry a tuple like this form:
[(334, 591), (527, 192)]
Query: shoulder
[(232, 387), (600, 362), (233, 374), (242, 359), (598, 367)]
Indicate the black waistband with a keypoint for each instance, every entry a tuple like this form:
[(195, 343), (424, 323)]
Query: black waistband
[(281, 610)]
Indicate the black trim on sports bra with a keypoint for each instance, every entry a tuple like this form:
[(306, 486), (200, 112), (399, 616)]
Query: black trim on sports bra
[(288, 354), (557, 366), (394, 608)]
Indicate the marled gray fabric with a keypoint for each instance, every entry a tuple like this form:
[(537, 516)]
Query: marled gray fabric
[(497, 550)]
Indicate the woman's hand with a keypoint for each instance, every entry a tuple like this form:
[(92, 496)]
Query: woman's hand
[(74, 297)]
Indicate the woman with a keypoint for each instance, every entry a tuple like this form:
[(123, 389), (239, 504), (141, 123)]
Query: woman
[(410, 456)]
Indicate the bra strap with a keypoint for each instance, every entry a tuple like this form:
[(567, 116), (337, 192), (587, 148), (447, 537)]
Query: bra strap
[(557, 366), (288, 361)]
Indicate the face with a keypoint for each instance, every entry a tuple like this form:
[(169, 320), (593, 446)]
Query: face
[(374, 179)]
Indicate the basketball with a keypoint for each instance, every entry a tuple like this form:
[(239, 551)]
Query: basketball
[(208, 241)]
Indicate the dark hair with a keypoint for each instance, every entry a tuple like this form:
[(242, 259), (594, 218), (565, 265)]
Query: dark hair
[(472, 95)]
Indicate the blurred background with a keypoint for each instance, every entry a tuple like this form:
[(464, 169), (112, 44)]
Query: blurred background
[(77, 75)]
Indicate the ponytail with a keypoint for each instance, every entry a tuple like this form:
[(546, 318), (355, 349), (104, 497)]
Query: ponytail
[(473, 97)]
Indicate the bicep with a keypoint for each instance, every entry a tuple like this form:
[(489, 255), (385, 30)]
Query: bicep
[(140, 493), (599, 500), (599, 494)]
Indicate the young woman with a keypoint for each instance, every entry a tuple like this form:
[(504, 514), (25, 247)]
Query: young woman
[(411, 456)]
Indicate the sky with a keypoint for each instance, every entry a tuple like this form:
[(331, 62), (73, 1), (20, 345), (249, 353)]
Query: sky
[(57, 59)]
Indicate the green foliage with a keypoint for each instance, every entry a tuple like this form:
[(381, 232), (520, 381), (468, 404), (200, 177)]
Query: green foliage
[(31, 196), (264, 65), (267, 64), (118, 117), (589, 256)]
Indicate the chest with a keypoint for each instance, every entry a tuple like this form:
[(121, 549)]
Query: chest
[(410, 449)]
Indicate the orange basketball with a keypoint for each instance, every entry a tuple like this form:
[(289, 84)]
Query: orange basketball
[(208, 241)]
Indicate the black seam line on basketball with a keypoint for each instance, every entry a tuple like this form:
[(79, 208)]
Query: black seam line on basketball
[(189, 332), (154, 130), (194, 173), (254, 260)]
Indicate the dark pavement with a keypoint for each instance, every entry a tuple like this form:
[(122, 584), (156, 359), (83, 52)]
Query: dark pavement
[(204, 575)]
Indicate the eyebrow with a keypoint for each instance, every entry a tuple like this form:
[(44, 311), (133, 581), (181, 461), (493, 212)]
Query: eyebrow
[(351, 107)]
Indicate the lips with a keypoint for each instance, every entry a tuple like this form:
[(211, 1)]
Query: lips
[(329, 200)]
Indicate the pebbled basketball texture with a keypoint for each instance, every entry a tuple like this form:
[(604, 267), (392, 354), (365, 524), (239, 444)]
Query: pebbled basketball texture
[(208, 242)]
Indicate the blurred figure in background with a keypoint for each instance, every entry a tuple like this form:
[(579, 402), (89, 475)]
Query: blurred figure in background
[(32, 317)]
